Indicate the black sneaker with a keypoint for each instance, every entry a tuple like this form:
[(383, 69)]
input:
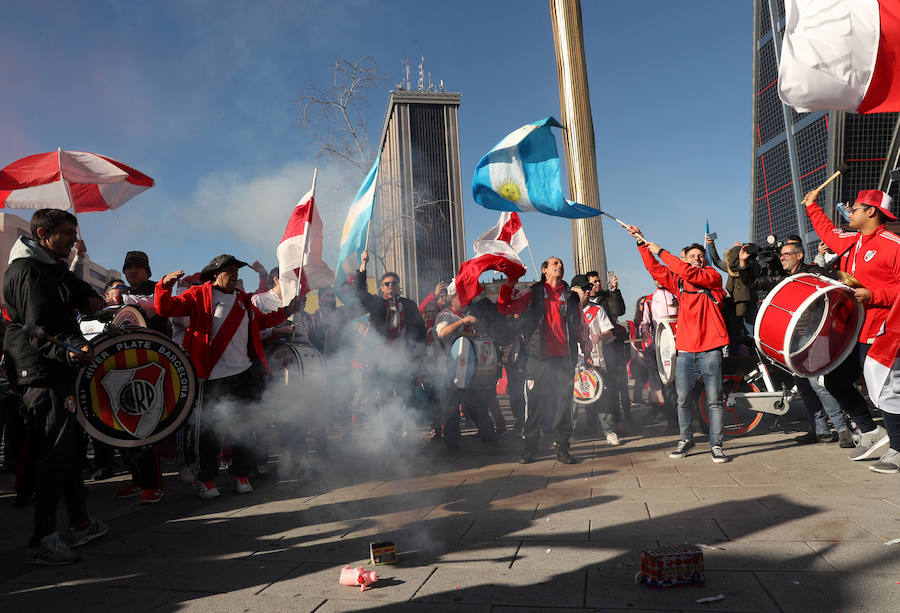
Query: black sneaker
[(563, 455), (807, 439), (681, 448), (527, 457), (826, 437), (845, 440)]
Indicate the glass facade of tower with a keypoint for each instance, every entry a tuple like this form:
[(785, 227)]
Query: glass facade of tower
[(795, 152), (418, 229)]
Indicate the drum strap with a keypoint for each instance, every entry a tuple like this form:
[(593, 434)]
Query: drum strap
[(701, 290)]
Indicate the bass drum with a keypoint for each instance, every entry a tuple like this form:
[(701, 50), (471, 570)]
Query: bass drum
[(474, 362), (808, 324), (138, 389), (665, 350), (588, 385), (119, 316), (300, 368)]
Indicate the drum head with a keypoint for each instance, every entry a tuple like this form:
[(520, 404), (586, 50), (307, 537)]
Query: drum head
[(588, 386), (462, 362), (294, 364), (138, 390), (824, 332), (129, 317), (665, 352)]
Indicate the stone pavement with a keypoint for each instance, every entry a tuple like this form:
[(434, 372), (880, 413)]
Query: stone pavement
[(787, 528)]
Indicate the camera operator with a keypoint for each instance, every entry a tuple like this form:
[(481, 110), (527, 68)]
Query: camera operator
[(740, 305), (816, 399)]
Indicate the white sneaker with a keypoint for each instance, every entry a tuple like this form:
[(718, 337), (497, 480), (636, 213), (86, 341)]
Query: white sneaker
[(869, 442), (242, 485), (51, 551), (207, 490), (612, 439), (889, 464)]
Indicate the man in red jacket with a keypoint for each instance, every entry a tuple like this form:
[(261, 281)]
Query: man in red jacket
[(222, 340), (872, 256), (699, 338)]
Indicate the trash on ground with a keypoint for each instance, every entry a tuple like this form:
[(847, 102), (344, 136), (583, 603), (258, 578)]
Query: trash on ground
[(893, 541), (663, 567), (705, 546), (384, 552), (710, 599), (358, 576)]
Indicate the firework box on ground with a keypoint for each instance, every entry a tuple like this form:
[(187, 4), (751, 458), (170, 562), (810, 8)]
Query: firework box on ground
[(382, 553), (672, 566)]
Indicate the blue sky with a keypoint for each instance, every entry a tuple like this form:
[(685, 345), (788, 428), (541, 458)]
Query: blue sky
[(200, 96)]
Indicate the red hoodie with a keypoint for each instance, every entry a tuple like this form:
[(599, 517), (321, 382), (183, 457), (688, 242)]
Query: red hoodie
[(700, 323), (873, 259), (196, 302)]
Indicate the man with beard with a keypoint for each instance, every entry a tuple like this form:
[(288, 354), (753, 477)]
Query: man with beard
[(39, 290), (700, 337)]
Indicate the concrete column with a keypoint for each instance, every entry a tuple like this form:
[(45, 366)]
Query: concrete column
[(588, 251)]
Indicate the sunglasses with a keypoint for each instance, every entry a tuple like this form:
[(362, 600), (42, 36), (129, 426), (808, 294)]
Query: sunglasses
[(390, 283)]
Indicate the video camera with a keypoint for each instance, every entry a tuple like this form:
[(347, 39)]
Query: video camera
[(769, 254)]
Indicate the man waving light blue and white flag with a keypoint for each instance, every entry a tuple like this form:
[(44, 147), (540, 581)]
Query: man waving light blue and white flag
[(522, 174), (356, 226)]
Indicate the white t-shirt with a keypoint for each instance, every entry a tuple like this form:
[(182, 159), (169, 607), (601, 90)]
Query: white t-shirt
[(234, 359), (598, 322)]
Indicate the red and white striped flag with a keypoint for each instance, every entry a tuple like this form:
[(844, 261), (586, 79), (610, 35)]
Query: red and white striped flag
[(300, 265), (509, 230), (882, 364), (841, 55), (497, 249)]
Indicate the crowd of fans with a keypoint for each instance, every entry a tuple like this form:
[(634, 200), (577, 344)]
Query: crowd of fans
[(402, 365)]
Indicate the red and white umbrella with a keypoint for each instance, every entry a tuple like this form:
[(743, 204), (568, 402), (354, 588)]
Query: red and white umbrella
[(78, 180)]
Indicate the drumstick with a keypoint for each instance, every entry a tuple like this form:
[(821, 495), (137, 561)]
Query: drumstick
[(623, 224), (38, 333), (842, 169)]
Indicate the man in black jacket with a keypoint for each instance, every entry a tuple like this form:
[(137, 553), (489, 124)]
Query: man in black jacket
[(39, 290), (398, 321), (552, 323), (610, 299), (816, 399)]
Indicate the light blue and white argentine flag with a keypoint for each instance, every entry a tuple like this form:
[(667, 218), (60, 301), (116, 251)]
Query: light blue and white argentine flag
[(353, 236), (522, 174)]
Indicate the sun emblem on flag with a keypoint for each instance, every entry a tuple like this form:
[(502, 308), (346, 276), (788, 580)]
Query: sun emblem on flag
[(510, 189)]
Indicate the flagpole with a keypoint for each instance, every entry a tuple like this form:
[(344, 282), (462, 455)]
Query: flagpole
[(306, 251), (533, 265)]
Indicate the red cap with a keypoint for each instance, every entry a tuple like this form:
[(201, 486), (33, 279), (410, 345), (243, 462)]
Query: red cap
[(876, 198)]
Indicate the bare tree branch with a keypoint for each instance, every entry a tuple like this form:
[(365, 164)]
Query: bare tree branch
[(336, 117)]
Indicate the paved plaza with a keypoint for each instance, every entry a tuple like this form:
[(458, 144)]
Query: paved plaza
[(783, 528)]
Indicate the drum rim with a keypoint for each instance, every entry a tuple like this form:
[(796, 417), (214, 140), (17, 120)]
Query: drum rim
[(788, 363), (451, 361), (161, 435), (293, 347)]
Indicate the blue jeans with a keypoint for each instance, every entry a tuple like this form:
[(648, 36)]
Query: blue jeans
[(831, 406), (708, 365)]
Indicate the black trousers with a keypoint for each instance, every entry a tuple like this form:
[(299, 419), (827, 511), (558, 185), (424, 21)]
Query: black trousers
[(54, 433), (474, 402), (548, 400), (840, 384), (227, 410)]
